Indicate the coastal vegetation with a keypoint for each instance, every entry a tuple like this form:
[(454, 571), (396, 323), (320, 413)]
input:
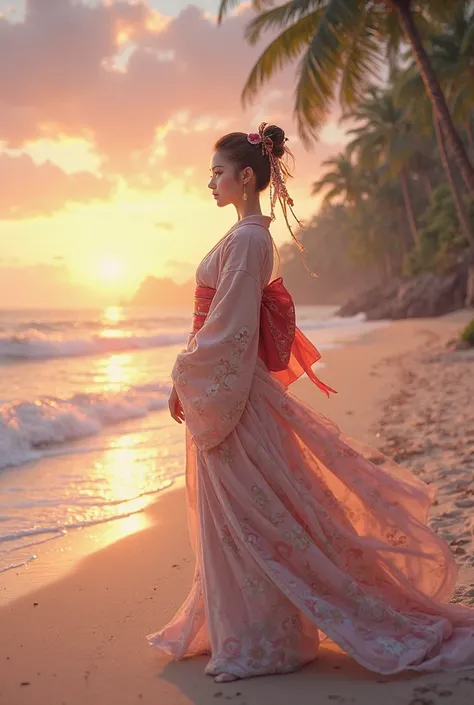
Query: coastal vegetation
[(398, 200)]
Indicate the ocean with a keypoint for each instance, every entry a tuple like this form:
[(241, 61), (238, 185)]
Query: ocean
[(85, 434)]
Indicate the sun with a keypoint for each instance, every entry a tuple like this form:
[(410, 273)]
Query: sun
[(110, 270)]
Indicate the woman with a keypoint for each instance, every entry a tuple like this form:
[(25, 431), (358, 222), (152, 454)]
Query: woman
[(297, 535)]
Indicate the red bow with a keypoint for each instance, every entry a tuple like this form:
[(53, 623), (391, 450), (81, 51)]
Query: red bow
[(285, 350)]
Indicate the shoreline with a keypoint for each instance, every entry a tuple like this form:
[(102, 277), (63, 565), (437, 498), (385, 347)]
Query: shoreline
[(345, 367), (50, 542), (81, 637), (57, 555)]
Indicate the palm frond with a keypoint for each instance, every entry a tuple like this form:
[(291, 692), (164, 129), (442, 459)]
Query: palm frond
[(280, 16), (408, 87), (361, 110), (225, 7), (260, 4), (342, 179), (399, 151), (410, 95), (391, 29), (467, 44), (319, 69), (370, 150), (324, 182), (284, 49), (440, 11), (462, 102), (361, 61), (424, 24), (336, 160), (332, 194), (357, 133)]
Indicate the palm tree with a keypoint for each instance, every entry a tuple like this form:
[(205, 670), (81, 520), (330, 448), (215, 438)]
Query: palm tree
[(343, 43), (419, 110), (338, 249), (343, 180), (374, 209), (452, 56), (379, 228), (385, 138)]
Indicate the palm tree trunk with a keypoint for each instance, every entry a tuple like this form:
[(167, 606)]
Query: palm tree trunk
[(409, 206), (436, 95), (457, 198)]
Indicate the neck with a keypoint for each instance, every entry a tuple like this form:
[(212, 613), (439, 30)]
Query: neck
[(249, 207)]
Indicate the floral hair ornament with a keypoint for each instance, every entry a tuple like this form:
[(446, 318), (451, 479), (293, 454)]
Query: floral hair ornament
[(278, 175), (254, 138)]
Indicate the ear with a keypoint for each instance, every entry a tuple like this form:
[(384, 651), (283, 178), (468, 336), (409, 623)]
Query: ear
[(247, 174)]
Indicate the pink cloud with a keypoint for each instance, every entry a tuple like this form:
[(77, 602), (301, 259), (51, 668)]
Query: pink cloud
[(52, 69), (30, 190), (56, 78)]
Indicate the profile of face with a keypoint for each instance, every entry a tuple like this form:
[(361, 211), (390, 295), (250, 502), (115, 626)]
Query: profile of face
[(226, 184)]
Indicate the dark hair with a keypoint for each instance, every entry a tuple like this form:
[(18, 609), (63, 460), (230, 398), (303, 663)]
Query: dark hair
[(242, 153)]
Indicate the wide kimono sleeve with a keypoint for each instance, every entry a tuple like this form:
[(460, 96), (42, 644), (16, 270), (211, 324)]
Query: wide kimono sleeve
[(214, 375)]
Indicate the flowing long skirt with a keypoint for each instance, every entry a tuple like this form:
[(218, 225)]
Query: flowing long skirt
[(298, 535)]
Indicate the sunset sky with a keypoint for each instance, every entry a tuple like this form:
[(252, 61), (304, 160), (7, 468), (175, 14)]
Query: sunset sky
[(108, 114)]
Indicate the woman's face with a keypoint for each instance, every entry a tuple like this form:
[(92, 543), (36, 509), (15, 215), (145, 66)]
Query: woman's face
[(225, 184)]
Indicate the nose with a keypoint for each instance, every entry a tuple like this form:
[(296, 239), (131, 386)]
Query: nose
[(211, 184)]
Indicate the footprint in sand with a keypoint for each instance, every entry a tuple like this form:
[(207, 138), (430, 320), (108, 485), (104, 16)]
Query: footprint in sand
[(465, 503), (452, 514)]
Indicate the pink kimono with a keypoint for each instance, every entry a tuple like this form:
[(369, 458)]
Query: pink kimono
[(297, 535)]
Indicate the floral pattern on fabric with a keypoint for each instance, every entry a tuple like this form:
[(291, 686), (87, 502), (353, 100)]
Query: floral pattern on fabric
[(298, 535), (214, 375)]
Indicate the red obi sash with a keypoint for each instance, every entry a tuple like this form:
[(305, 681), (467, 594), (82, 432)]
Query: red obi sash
[(285, 350)]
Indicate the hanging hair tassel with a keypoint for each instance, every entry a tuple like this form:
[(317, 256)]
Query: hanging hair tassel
[(278, 175)]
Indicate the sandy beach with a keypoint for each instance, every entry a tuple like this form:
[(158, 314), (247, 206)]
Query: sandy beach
[(80, 640)]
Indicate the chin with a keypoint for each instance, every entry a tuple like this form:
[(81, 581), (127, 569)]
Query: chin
[(222, 204)]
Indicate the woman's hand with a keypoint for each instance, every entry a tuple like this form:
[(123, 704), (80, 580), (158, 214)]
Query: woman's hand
[(176, 410)]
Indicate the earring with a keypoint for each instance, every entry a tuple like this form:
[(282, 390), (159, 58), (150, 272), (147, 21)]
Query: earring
[(245, 193)]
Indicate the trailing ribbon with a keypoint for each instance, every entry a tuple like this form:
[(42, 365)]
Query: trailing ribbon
[(285, 350)]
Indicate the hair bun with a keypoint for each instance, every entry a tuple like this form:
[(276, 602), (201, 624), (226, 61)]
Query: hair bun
[(278, 138)]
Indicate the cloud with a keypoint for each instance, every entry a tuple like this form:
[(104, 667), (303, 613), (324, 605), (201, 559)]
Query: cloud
[(30, 190), (53, 77), (57, 71), (151, 94)]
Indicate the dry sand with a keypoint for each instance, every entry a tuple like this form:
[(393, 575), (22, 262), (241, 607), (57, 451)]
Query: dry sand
[(81, 639)]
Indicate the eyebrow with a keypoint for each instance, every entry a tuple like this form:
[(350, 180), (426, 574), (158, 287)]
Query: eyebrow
[(218, 166)]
